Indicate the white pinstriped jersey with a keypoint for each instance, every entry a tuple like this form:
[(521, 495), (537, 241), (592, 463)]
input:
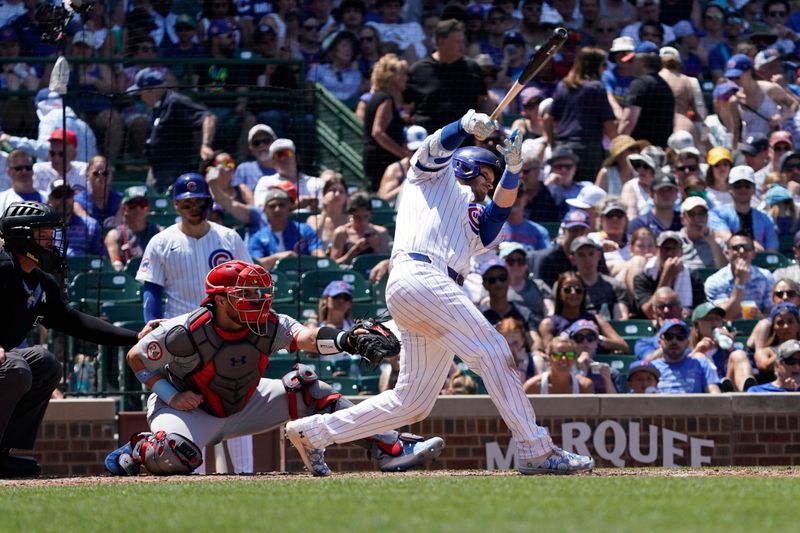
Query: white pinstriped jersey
[(438, 216), (180, 263)]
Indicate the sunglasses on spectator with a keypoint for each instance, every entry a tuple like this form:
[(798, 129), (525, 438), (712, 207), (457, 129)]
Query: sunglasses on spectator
[(563, 166), (742, 247), (792, 361), (104, 173), (495, 279), (668, 305), (615, 214), (780, 13), (580, 337), (742, 185), (283, 154), (531, 169), (701, 213), (260, 142), (228, 164), (573, 290), (511, 261), (138, 203), (59, 153), (687, 168), (782, 147), (20, 168), (785, 294), (563, 355), (680, 337), (715, 16)]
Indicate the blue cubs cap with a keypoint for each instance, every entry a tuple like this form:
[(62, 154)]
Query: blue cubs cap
[(776, 194), (643, 366), (646, 47), (754, 144), (582, 324), (190, 185), (726, 88), (736, 65), (784, 307), (147, 78), (220, 27), (575, 218), (492, 263), (338, 287), (671, 323), (513, 37)]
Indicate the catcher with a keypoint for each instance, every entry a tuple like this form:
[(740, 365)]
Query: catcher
[(205, 370)]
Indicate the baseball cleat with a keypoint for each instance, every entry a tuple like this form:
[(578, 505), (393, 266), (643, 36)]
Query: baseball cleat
[(313, 458), (558, 462), (120, 463), (412, 455)]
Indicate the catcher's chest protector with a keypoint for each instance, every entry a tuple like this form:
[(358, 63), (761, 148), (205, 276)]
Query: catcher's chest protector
[(225, 368)]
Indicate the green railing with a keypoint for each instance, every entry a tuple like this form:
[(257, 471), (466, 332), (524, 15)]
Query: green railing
[(340, 136)]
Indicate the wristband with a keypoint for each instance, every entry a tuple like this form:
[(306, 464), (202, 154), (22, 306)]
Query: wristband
[(144, 375), (738, 286), (164, 390), (330, 340)]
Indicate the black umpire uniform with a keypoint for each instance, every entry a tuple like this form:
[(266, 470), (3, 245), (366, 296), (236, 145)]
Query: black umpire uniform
[(28, 376)]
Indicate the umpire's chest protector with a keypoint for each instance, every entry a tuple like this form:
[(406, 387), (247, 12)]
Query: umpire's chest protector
[(223, 367)]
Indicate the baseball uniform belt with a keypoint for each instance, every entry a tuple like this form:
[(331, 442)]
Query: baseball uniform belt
[(455, 276)]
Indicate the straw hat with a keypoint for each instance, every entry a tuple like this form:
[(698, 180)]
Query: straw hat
[(619, 144)]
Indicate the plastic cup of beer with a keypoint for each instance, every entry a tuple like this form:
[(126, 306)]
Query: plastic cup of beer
[(749, 309)]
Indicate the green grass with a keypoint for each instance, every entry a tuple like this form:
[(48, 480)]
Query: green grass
[(412, 504)]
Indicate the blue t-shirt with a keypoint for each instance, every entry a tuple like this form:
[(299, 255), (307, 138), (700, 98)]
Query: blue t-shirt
[(84, 237), (645, 347), (529, 233), (687, 376), (617, 85), (249, 173), (265, 243), (768, 387), (718, 56), (100, 215), (650, 220)]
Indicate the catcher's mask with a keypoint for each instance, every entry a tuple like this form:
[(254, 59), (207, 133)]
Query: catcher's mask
[(248, 289), (33, 229)]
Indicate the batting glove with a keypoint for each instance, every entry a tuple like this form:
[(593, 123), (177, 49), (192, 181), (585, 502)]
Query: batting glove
[(511, 149), (478, 124)]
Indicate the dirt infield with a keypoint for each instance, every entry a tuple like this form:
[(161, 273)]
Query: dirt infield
[(772, 471)]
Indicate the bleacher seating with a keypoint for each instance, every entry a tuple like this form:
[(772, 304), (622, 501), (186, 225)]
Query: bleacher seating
[(104, 286), (770, 260), (313, 283)]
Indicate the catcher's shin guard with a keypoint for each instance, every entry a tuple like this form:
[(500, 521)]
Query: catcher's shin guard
[(164, 454), (303, 382)]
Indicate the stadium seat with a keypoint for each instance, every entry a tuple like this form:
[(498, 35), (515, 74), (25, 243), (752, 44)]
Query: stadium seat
[(285, 289), (384, 218), (619, 362), (379, 291), (706, 273), (103, 286), (744, 327), (117, 311), (301, 215), (88, 263), (786, 244), (132, 266), (313, 283), (379, 204), (293, 267), (163, 219), (365, 262), (770, 260), (633, 328)]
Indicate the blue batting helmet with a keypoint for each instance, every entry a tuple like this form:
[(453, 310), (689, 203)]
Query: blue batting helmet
[(467, 161), (190, 185)]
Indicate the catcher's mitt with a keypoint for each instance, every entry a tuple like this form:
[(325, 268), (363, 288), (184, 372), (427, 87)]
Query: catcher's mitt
[(376, 344)]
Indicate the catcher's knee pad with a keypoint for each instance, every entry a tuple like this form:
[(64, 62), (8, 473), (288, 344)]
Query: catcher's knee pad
[(164, 454), (302, 381)]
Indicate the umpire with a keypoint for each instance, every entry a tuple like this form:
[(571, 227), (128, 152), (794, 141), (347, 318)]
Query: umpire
[(30, 295)]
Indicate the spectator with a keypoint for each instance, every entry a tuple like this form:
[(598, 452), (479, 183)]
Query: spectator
[(560, 379), (561, 181), (335, 307), (718, 56), (642, 249), (461, 383), (663, 216), (643, 378), (755, 150), (383, 123), (51, 113), (710, 339), (394, 30), (784, 326), (15, 76), (776, 16), (720, 162), (603, 290), (219, 11), (782, 210), (792, 271), (223, 168), (515, 58), (590, 197), (581, 114), (652, 32), (618, 77), (784, 290), (787, 370), (519, 229), (186, 46), (433, 103), (351, 15), (63, 148), (571, 305), (586, 337), (541, 206), (171, 146), (759, 106), (369, 50), (617, 170), (649, 114), (648, 11), (333, 213), (742, 289), (129, 240), (740, 216), (99, 200), (338, 71), (681, 374), (691, 48), (612, 236), (667, 269), (713, 21), (666, 305), (492, 40), (283, 154), (84, 236), (637, 192), (394, 175), (358, 236), (496, 282), (690, 107), (603, 31), (19, 167), (529, 125), (552, 262), (259, 139), (622, 12), (687, 166), (514, 332), (780, 144), (700, 246), (282, 237)]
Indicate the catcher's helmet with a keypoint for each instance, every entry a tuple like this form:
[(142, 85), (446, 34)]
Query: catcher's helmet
[(467, 161), (17, 229), (248, 288), (190, 185)]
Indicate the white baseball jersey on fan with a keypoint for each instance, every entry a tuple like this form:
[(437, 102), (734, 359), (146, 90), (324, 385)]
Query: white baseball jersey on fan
[(180, 264), (438, 218)]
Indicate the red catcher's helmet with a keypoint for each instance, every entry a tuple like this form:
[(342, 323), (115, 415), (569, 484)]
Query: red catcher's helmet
[(248, 288)]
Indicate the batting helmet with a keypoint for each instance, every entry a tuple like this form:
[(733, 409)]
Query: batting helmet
[(248, 288), (467, 161), (190, 185), (17, 229)]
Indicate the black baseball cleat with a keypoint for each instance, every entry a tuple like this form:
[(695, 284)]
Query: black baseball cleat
[(18, 467)]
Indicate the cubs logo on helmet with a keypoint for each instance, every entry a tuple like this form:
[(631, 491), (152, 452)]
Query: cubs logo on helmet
[(190, 185)]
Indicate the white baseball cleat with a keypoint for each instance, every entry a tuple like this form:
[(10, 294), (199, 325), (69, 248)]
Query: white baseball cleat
[(557, 462), (412, 455), (313, 458)]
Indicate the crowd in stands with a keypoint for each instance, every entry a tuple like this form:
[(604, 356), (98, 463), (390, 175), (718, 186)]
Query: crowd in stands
[(660, 184)]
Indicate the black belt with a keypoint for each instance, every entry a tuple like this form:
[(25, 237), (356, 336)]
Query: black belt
[(455, 276)]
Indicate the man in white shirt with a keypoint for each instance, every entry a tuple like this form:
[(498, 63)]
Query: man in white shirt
[(283, 154), (63, 148)]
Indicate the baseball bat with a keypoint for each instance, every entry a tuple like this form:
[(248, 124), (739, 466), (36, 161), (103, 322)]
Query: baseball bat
[(539, 59)]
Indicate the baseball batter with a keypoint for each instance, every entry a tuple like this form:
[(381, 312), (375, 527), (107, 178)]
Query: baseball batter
[(177, 260), (205, 369), (441, 223)]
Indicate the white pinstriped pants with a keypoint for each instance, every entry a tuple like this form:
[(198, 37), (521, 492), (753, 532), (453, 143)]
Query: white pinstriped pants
[(436, 320)]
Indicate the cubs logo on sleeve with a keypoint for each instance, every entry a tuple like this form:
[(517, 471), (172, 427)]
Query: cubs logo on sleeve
[(474, 212), (219, 256), (144, 266)]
